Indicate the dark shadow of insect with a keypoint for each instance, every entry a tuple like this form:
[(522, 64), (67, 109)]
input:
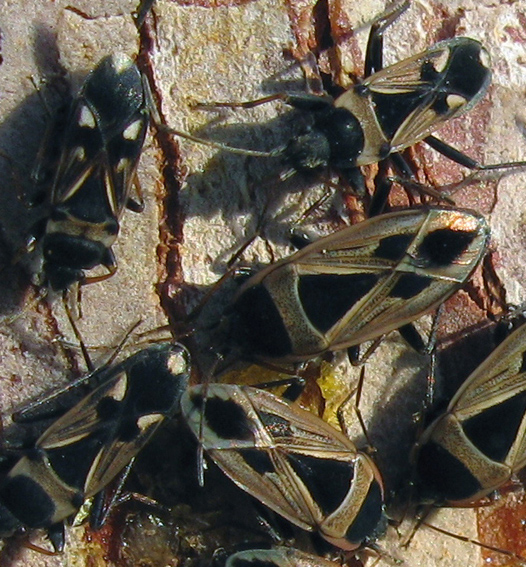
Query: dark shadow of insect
[(21, 133)]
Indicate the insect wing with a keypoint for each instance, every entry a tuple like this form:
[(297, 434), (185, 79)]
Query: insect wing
[(290, 460), (98, 437), (414, 97), (103, 141), (371, 278), (276, 557), (493, 399), (416, 261)]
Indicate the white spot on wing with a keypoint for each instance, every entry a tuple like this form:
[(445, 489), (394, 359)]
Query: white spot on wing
[(455, 101), (150, 420), (86, 118), (177, 363), (121, 62), (132, 131), (79, 153), (119, 389), (485, 59), (440, 62), (122, 165)]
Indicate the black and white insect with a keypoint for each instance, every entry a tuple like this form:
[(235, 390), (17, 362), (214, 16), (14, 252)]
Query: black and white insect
[(94, 442), (357, 284), (290, 460), (99, 149), (479, 442), (276, 557), (389, 110)]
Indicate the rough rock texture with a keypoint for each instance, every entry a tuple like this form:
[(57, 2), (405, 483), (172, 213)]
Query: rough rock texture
[(201, 203)]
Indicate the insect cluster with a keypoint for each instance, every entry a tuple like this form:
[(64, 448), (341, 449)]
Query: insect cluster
[(335, 293)]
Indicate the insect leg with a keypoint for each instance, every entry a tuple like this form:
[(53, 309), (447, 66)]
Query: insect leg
[(406, 178), (257, 232), (355, 178), (57, 536), (357, 395), (110, 263), (414, 338), (100, 510), (76, 332), (381, 192), (136, 206), (140, 13), (354, 356), (462, 159), (375, 44), (43, 550), (295, 386)]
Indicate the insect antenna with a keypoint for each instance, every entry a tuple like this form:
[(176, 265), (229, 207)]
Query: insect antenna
[(41, 295), (277, 152), (39, 549), (506, 552), (241, 104), (121, 344), (76, 332), (357, 395), (37, 409)]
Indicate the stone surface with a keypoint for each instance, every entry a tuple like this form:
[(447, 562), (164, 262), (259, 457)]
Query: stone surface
[(198, 51)]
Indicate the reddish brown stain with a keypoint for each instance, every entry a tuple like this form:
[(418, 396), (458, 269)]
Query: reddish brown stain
[(516, 34), (522, 20), (502, 525), (171, 226), (303, 25), (108, 538)]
